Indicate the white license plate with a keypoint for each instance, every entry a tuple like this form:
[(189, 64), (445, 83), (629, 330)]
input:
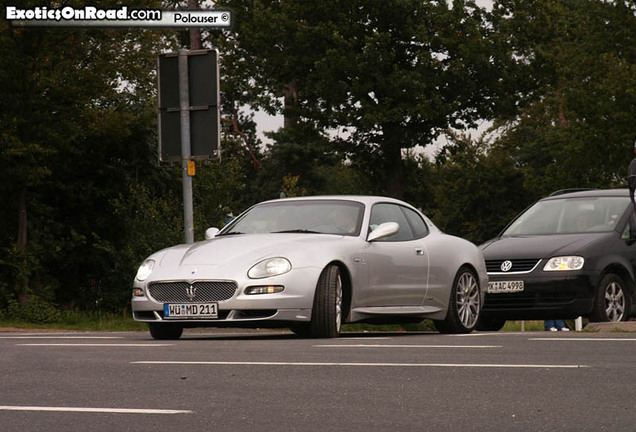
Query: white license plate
[(505, 287), (190, 310)]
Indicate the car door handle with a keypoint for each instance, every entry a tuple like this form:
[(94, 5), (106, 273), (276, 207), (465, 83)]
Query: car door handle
[(419, 251)]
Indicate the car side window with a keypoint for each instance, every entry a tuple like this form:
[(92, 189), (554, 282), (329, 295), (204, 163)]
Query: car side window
[(629, 228), (627, 233), (419, 227), (381, 213)]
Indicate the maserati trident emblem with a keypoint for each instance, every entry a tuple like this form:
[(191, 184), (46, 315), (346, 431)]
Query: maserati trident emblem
[(506, 266), (191, 292)]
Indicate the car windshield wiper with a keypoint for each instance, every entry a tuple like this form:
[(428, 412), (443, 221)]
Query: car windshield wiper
[(232, 233), (302, 231)]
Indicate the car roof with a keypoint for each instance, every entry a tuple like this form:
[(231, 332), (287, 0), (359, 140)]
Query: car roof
[(365, 199), (588, 193)]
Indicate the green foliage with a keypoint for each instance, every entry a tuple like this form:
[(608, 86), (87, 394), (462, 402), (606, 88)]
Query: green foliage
[(77, 115), (577, 62), (36, 311), (477, 188), (219, 189), (77, 320), (361, 84), (391, 74), (301, 152)]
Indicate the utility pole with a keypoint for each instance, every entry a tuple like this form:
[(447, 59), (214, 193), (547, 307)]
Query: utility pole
[(189, 125), (184, 116)]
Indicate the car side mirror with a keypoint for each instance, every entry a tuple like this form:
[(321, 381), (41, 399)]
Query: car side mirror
[(210, 233), (384, 230)]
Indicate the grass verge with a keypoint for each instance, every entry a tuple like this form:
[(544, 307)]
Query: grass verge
[(80, 321)]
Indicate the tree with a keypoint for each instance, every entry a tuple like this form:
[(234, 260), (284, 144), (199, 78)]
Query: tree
[(577, 60), (477, 188), (394, 74), (77, 117)]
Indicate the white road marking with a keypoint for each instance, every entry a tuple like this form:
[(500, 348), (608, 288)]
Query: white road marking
[(406, 346), (92, 410), (94, 345), (61, 337), (421, 365), (586, 339)]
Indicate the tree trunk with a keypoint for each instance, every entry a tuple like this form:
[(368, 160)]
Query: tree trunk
[(563, 122), (394, 167), (394, 172), (23, 280), (291, 99), (195, 33)]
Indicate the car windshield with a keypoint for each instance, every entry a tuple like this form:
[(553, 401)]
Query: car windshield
[(310, 216), (569, 216)]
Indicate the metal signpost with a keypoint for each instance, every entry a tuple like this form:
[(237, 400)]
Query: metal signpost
[(189, 124)]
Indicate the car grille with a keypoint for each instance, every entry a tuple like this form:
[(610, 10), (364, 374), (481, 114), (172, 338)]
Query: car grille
[(197, 292), (518, 265), (525, 301)]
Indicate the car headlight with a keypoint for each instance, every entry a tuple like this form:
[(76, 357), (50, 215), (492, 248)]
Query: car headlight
[(145, 269), (270, 267), (564, 263)]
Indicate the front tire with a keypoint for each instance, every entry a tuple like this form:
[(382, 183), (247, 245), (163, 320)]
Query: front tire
[(464, 305), (300, 330), (612, 300), (487, 323), (165, 331), (326, 315)]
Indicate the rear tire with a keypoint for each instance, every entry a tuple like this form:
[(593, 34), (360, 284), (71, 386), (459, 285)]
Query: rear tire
[(164, 331), (326, 315), (464, 305), (612, 300)]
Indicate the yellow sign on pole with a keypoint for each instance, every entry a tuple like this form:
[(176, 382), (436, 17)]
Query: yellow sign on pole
[(192, 170)]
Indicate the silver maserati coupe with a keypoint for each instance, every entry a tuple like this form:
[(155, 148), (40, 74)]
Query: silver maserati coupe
[(312, 264)]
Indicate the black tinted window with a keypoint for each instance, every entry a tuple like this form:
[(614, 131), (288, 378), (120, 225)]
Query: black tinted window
[(382, 213), (417, 224)]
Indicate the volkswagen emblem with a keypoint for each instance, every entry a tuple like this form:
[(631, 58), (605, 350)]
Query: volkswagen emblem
[(506, 266), (191, 292)]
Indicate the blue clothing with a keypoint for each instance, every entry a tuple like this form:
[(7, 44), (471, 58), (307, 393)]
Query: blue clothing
[(557, 324)]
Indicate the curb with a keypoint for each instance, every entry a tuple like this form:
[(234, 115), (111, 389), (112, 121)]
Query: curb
[(611, 327)]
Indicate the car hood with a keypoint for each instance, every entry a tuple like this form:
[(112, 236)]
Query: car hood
[(245, 250), (542, 246)]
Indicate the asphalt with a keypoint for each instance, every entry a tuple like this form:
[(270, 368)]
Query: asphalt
[(593, 327)]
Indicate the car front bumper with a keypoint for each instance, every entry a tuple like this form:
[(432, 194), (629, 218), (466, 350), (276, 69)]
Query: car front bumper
[(546, 295), (293, 304)]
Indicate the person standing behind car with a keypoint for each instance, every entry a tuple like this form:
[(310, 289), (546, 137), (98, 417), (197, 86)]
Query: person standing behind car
[(555, 325)]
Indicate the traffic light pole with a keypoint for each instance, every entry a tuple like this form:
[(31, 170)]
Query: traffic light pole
[(184, 111)]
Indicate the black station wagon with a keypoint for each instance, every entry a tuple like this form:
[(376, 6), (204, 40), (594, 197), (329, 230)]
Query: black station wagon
[(568, 255)]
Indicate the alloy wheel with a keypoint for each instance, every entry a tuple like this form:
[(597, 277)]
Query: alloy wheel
[(338, 302), (468, 300), (614, 302)]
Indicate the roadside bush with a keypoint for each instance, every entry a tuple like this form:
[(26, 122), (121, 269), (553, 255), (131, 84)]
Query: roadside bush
[(37, 311)]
